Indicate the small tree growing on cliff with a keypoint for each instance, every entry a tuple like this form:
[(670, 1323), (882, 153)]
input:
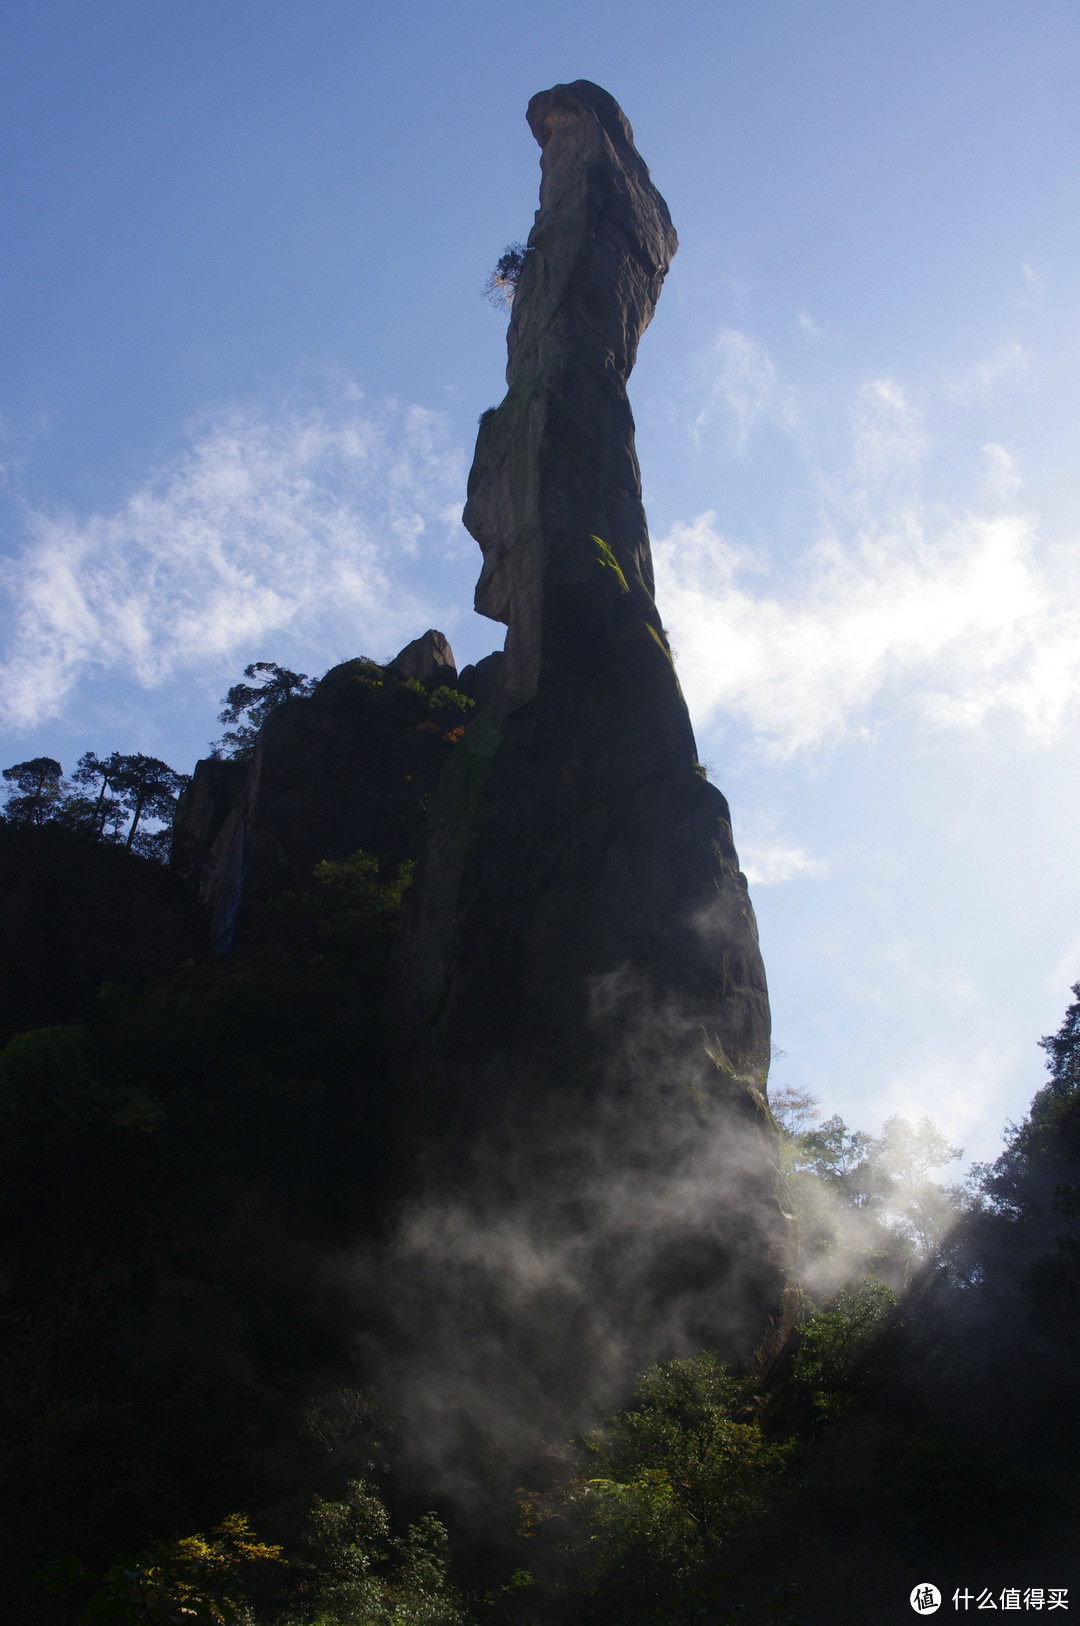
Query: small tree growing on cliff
[(255, 701), (501, 285)]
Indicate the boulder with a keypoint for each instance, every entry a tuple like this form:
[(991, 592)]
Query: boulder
[(426, 660)]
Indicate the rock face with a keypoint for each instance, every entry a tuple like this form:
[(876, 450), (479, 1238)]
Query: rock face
[(581, 932), (351, 767), (426, 660)]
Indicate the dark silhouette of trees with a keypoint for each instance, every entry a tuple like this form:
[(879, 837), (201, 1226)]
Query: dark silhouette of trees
[(147, 787), (104, 775), (40, 785), (124, 787), (255, 701), (501, 285)]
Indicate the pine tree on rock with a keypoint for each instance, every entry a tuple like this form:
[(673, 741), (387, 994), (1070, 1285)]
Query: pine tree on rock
[(40, 786)]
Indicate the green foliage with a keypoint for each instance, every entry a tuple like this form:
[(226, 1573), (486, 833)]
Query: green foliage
[(344, 905), (1049, 1138), (104, 810), (841, 1158), (676, 1467), (349, 1568), (270, 686), (355, 1572), (657, 1492), (502, 284), (838, 1342), (1063, 1053), (45, 1078), (170, 1168), (198, 1578), (147, 787), (917, 1207), (862, 1201), (1032, 1187), (398, 701), (605, 558)]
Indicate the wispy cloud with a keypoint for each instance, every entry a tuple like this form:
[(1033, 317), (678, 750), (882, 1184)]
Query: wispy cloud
[(744, 389), (771, 862), (901, 605), (1002, 477), (266, 522), (889, 438), (949, 615), (976, 383)]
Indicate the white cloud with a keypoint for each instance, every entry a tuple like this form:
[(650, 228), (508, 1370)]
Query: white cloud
[(770, 863), (976, 383), (889, 439), (928, 609), (266, 523), (1002, 476), (949, 615), (942, 612), (744, 387)]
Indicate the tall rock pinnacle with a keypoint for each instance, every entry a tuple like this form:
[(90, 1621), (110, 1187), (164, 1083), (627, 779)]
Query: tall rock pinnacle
[(581, 926), (555, 491)]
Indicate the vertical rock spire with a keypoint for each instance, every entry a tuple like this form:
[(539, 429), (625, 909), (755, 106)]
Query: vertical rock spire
[(581, 930), (555, 490)]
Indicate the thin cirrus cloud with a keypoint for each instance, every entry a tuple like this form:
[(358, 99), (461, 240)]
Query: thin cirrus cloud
[(976, 383), (1002, 478), (306, 520), (745, 389), (888, 437)]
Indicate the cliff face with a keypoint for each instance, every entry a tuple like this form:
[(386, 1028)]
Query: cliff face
[(575, 836), (555, 491), (577, 1005), (581, 931), (352, 767)]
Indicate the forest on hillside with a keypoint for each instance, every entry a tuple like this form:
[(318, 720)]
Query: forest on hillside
[(205, 1157)]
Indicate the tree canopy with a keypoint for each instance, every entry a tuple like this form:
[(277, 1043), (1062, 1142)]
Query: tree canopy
[(40, 787), (125, 790), (269, 687)]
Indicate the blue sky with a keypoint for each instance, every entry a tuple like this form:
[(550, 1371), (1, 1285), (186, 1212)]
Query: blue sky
[(245, 352)]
